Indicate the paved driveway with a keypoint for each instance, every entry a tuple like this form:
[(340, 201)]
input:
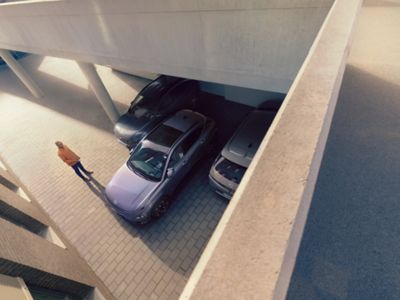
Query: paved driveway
[(153, 262)]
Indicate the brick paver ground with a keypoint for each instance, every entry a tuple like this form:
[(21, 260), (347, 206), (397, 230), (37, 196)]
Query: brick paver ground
[(151, 262)]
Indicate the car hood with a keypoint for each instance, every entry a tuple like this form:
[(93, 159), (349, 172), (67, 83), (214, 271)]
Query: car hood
[(127, 190), (132, 125)]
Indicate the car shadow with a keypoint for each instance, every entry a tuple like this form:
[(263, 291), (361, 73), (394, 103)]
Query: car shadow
[(180, 236)]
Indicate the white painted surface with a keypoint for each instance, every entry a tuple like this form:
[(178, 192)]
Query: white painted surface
[(255, 44)]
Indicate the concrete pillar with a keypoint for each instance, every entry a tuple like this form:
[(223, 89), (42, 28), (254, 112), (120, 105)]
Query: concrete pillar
[(100, 90), (21, 73)]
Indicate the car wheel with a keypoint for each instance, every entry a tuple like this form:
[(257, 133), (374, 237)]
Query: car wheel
[(161, 207)]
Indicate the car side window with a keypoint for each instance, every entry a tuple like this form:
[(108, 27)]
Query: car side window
[(170, 99), (191, 139), (165, 102), (184, 147), (176, 156)]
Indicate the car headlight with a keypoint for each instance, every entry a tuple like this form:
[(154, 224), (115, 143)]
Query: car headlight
[(141, 215)]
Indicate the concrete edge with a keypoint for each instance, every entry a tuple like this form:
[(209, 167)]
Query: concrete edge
[(68, 246), (281, 288)]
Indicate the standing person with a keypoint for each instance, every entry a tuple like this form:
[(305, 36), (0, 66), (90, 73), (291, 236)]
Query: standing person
[(73, 160)]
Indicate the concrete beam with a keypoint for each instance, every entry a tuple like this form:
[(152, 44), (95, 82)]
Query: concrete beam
[(259, 44), (21, 73), (253, 250), (100, 90)]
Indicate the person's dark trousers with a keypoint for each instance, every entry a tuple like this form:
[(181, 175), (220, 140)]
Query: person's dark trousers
[(78, 167)]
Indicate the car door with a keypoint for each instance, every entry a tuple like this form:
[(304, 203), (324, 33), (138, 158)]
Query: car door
[(175, 169), (191, 146), (182, 159)]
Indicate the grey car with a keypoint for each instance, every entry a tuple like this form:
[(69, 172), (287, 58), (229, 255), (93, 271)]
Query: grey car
[(230, 166), (141, 189)]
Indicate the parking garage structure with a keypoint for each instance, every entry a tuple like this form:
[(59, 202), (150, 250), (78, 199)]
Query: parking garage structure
[(279, 203)]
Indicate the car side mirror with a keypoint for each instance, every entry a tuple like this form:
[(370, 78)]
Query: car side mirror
[(170, 172)]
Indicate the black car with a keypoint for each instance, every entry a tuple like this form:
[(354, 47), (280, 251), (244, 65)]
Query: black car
[(159, 99)]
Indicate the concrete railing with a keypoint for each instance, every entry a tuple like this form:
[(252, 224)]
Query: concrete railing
[(253, 250)]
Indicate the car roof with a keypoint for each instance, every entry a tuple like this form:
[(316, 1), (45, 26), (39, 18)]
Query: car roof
[(160, 85), (185, 119), (243, 145)]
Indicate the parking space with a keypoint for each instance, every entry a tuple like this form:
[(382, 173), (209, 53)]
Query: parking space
[(149, 262), (227, 115)]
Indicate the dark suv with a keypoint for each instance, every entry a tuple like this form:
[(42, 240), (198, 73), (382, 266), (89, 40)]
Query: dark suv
[(159, 99)]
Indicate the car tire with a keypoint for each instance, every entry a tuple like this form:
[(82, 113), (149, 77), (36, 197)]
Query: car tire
[(161, 207)]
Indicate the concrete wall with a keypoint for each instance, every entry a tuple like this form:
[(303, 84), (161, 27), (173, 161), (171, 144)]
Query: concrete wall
[(241, 95), (256, 44), (33, 248), (13, 288), (253, 250)]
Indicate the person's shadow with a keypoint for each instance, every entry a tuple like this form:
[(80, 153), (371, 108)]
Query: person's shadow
[(98, 189)]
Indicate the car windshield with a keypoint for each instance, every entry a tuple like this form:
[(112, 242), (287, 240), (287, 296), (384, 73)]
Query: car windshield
[(149, 161), (150, 96), (230, 170), (165, 136), (150, 157), (144, 103)]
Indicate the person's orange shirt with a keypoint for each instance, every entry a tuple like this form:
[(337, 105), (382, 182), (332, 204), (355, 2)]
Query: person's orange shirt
[(68, 156)]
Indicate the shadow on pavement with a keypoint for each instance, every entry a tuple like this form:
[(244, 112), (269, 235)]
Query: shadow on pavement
[(59, 95), (351, 240), (180, 236), (136, 84), (99, 190)]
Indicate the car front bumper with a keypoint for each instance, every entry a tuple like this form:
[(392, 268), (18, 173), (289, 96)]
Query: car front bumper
[(220, 189), (131, 217)]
